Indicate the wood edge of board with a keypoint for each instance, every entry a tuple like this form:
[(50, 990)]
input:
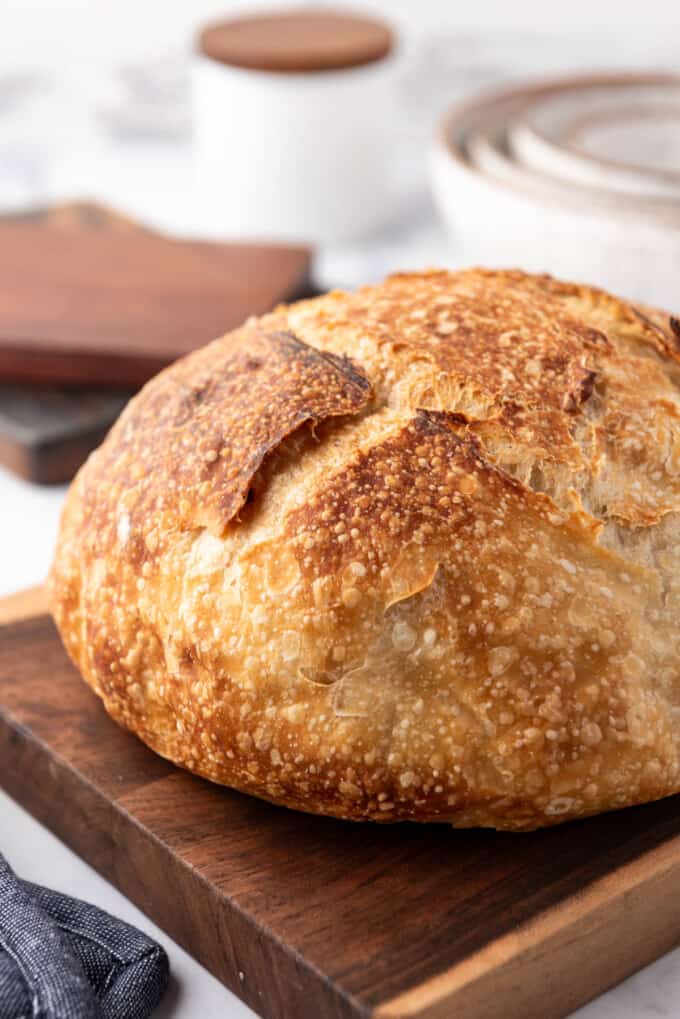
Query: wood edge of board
[(24, 604), (529, 973)]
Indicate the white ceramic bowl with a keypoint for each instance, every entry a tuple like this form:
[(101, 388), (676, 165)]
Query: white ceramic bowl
[(501, 215), (622, 134)]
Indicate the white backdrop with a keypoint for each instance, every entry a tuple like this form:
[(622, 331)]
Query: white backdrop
[(53, 31)]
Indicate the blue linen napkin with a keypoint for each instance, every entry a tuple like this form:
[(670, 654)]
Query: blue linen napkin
[(61, 958)]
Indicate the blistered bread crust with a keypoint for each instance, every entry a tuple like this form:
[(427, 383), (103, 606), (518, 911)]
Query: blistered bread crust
[(409, 553)]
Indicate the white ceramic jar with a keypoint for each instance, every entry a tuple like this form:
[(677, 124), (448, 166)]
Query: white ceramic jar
[(299, 154)]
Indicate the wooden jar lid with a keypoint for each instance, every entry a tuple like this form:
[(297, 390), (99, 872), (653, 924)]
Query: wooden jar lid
[(297, 41)]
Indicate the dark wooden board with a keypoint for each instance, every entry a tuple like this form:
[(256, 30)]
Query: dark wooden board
[(46, 434), (309, 917), (47, 431), (112, 308)]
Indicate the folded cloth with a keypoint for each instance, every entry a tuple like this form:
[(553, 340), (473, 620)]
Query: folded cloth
[(61, 958)]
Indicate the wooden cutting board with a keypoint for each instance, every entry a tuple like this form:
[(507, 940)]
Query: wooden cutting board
[(113, 307), (309, 918), (47, 431)]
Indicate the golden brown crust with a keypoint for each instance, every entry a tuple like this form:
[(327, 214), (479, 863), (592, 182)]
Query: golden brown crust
[(208, 426), (452, 593)]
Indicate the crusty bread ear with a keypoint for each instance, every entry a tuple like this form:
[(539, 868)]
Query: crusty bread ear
[(409, 553)]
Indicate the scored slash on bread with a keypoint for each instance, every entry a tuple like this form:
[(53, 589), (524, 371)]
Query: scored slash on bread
[(408, 553)]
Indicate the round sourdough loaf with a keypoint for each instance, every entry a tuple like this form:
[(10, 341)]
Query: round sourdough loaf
[(409, 553)]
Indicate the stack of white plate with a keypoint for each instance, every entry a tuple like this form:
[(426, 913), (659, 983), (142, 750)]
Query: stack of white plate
[(578, 176)]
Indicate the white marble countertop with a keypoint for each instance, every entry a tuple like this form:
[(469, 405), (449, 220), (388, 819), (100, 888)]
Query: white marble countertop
[(123, 137)]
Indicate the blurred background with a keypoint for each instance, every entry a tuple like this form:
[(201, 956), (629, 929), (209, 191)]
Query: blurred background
[(95, 97)]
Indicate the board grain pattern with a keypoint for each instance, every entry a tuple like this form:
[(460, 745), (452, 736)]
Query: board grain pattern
[(310, 918), (89, 305), (47, 431)]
